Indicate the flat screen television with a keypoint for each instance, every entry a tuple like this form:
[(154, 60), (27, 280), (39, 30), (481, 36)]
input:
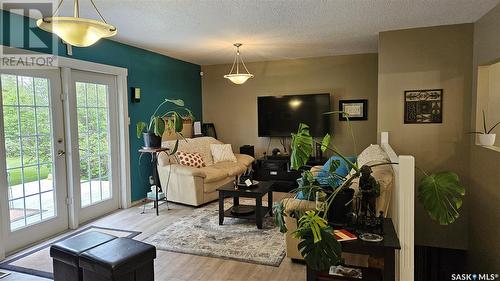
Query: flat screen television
[(279, 116)]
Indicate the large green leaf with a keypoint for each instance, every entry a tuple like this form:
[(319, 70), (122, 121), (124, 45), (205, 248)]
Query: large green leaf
[(311, 221), (279, 216), (158, 126), (325, 142), (140, 128), (301, 147), (177, 102), (178, 122), (441, 194), (334, 165), (190, 114), (322, 254)]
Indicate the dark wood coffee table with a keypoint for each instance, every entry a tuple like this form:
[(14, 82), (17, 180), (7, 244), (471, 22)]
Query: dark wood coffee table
[(257, 192)]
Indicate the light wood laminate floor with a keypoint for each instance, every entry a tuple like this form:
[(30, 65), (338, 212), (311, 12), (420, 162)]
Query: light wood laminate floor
[(177, 266)]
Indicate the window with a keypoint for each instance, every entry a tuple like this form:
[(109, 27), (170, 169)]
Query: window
[(488, 98)]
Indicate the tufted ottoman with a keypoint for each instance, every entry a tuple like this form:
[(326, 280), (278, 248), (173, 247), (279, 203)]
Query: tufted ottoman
[(122, 259), (65, 254)]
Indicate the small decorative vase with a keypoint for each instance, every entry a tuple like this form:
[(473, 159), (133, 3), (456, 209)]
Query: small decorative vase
[(487, 139), (151, 140), (320, 201)]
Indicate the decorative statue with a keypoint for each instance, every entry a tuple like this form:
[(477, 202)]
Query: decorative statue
[(370, 190)]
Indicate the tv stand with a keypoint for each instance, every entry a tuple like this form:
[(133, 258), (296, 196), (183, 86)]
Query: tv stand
[(277, 169), (277, 157)]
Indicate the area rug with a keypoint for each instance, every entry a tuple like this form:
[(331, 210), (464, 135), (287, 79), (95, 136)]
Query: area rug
[(238, 239), (38, 261)]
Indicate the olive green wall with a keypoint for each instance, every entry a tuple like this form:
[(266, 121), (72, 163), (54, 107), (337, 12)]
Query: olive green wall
[(233, 108), (430, 58), (484, 192)]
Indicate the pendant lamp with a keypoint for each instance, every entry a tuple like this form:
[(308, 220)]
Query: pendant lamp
[(77, 31), (238, 78)]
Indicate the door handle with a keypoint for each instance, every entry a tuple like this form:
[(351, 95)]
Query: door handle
[(60, 152)]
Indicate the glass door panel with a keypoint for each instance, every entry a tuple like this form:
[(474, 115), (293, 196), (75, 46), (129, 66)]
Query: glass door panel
[(94, 98), (34, 172), (93, 139), (28, 146)]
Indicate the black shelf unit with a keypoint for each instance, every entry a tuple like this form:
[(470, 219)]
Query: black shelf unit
[(277, 169)]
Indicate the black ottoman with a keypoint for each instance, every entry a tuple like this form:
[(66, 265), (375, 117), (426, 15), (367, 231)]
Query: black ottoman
[(122, 259), (65, 254)]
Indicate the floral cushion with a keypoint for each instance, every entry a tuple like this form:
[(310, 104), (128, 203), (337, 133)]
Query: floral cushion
[(193, 159)]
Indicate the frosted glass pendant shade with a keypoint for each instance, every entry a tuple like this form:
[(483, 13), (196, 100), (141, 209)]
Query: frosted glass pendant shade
[(79, 32), (238, 78)]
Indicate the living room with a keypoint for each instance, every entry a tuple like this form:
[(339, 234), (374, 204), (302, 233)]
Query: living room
[(198, 101)]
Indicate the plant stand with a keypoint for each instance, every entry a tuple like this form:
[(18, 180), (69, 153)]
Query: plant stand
[(156, 203), (154, 161)]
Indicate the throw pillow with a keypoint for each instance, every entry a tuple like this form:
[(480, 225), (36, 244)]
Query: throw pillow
[(222, 153), (342, 170), (190, 159), (372, 154)]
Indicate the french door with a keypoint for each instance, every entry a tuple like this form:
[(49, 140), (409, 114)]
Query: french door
[(58, 152), (33, 187), (92, 102)]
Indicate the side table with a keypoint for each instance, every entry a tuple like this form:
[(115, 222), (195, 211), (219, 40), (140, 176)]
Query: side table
[(385, 249), (154, 161)]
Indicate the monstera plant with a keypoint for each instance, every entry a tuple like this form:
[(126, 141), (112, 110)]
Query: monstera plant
[(153, 131), (440, 193), (318, 246)]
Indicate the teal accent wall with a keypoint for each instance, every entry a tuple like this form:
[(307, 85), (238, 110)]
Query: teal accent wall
[(158, 76)]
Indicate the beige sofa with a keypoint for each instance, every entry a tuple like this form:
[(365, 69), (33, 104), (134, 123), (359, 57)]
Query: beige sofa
[(197, 186)]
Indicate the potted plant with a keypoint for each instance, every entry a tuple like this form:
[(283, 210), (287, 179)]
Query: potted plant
[(153, 131), (486, 137), (440, 193), (317, 243)]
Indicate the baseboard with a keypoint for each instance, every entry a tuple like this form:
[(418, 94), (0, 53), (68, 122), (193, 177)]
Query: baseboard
[(137, 202)]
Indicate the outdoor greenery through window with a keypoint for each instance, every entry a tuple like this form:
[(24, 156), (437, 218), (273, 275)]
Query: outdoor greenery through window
[(93, 140), (28, 145)]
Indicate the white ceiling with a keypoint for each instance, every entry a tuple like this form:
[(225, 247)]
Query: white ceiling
[(203, 32)]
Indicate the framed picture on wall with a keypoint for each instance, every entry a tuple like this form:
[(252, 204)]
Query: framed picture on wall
[(423, 106), (357, 109)]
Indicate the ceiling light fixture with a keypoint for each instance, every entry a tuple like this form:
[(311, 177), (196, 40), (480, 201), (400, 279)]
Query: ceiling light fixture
[(238, 78), (76, 31)]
